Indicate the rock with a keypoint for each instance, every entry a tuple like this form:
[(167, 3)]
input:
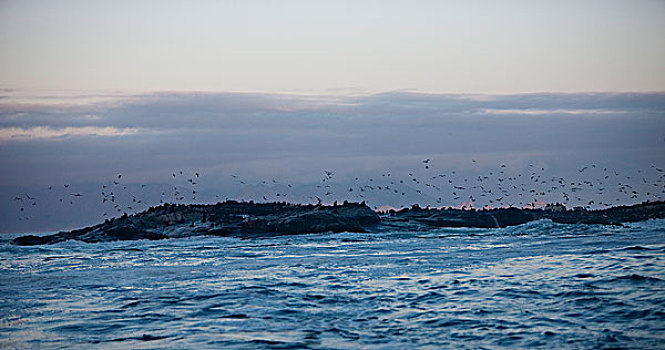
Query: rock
[(302, 223), (503, 217), (92, 235), (32, 240), (222, 219), (120, 233), (269, 219)]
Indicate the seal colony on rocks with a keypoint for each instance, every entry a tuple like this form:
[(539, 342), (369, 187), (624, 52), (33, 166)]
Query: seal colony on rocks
[(504, 217), (249, 220), (230, 218)]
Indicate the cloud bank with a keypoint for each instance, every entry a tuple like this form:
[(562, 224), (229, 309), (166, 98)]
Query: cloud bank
[(45, 132)]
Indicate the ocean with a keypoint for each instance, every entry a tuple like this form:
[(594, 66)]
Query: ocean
[(539, 286)]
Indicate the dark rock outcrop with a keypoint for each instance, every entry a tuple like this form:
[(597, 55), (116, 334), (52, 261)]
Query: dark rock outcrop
[(269, 219), (503, 217), (105, 233), (222, 219)]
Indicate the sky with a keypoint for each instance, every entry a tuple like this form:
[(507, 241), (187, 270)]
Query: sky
[(261, 98), (322, 46)]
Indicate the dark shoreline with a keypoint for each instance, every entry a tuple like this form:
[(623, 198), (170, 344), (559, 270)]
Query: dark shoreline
[(250, 220)]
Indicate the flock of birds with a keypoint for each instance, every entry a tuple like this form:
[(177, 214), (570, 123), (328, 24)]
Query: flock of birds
[(530, 187), (594, 187)]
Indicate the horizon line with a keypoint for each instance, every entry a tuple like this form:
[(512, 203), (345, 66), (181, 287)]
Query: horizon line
[(44, 96)]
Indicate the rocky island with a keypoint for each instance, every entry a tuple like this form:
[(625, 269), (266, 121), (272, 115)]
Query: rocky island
[(249, 220), (230, 218), (504, 217)]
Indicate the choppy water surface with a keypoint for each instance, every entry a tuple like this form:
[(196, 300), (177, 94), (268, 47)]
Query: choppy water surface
[(539, 285)]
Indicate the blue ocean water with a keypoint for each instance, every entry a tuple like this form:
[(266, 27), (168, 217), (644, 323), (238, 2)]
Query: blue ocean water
[(539, 285)]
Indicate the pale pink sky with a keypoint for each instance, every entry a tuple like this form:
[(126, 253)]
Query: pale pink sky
[(478, 46)]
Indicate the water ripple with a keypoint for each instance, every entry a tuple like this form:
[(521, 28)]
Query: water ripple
[(539, 285)]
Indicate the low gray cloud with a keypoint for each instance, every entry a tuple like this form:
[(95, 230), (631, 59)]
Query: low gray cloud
[(45, 132)]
